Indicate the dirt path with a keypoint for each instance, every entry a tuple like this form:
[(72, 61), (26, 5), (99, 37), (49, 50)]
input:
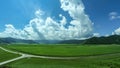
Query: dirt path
[(25, 55), (8, 61)]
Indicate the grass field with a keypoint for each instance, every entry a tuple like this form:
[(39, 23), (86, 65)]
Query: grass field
[(102, 56), (66, 50), (6, 56), (94, 62)]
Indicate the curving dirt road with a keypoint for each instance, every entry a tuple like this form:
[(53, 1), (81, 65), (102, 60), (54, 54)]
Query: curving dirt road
[(25, 55)]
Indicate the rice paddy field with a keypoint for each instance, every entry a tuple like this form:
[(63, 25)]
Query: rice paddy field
[(90, 56)]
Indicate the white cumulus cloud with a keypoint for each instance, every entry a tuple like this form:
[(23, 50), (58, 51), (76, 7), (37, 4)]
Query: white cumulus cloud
[(96, 35), (114, 15), (48, 29), (117, 31)]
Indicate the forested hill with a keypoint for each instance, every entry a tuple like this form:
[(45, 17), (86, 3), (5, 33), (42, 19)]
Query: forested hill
[(113, 39), (13, 40)]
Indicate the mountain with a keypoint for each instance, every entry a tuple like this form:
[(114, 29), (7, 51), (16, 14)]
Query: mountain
[(47, 41), (13, 40), (113, 39), (72, 42)]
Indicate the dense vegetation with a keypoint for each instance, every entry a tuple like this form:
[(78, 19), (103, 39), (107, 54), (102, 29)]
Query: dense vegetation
[(114, 39)]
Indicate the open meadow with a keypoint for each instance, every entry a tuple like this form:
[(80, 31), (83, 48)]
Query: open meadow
[(65, 49), (90, 56)]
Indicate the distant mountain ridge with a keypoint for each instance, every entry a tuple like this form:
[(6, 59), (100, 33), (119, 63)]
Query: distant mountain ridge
[(72, 42), (113, 39), (13, 40), (9, 40)]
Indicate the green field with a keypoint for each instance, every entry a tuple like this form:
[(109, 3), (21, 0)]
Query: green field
[(90, 56), (93, 62), (6, 56), (66, 50)]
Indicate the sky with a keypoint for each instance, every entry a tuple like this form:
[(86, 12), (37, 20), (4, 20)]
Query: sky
[(59, 19)]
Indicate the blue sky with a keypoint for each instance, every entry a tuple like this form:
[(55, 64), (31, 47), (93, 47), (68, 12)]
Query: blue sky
[(19, 13), (99, 10)]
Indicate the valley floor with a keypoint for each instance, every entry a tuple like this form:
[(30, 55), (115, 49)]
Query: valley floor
[(30, 60)]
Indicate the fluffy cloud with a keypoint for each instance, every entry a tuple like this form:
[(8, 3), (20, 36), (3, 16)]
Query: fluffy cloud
[(117, 31), (96, 35), (48, 29), (10, 31), (114, 15)]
